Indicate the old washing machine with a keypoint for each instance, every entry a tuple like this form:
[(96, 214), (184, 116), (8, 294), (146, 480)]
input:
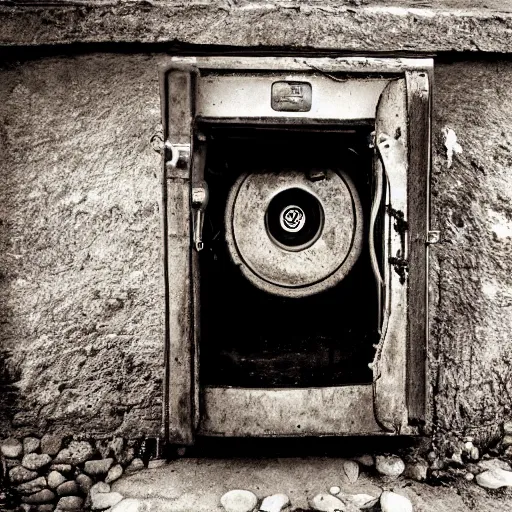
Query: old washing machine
[(296, 229)]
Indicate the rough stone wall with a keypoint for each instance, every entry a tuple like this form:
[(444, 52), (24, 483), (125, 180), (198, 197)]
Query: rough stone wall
[(81, 289), (471, 276), (81, 295)]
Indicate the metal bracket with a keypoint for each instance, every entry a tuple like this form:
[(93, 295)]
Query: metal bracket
[(433, 237), (179, 155)]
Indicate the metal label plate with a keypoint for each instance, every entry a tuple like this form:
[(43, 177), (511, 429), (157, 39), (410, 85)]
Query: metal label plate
[(291, 96)]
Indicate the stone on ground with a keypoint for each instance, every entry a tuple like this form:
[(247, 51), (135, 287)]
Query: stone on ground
[(393, 502), (98, 467), (350, 471), (100, 487), (44, 496), (494, 478), (275, 503), (70, 503), (85, 483), (69, 488), (507, 428), (416, 470), (11, 448), (36, 485), (156, 463), (239, 500), (494, 464), (35, 461), (30, 444), (129, 505), (114, 473), (76, 453), (55, 479), (334, 490), (361, 501), (324, 502), (135, 465), (19, 474), (389, 465), (50, 444), (104, 500)]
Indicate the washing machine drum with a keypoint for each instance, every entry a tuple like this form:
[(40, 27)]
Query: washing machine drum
[(292, 236)]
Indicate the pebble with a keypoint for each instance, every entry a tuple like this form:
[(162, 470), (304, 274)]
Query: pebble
[(324, 502), (51, 444), (45, 507), (25, 507), (114, 473), (389, 465), (334, 490), (99, 488), (507, 427), (494, 478), (35, 461), (19, 474), (36, 485), (70, 503), (30, 445), (62, 468), (437, 465), (11, 448), (69, 488), (474, 453), (469, 476), (76, 453), (98, 467), (85, 483), (239, 500), (55, 479), (275, 503), (156, 463), (350, 471), (135, 465), (361, 501), (494, 464), (44, 496), (103, 500), (507, 441), (392, 502), (365, 460), (129, 505), (416, 470)]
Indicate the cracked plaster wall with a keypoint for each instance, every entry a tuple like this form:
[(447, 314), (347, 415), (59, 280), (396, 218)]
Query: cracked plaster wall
[(81, 295)]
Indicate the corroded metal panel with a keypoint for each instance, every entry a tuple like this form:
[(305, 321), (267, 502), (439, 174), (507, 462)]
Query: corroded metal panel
[(288, 412)]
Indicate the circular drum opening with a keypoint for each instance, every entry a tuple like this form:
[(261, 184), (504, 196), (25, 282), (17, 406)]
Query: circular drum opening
[(294, 219)]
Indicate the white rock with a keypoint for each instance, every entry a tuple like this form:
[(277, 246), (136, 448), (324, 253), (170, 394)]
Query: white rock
[(114, 473), (35, 461), (389, 465), (130, 505), (507, 428), (494, 478), (506, 441), (361, 501), (103, 500), (239, 500), (392, 502), (99, 488), (334, 490), (30, 444), (275, 503), (55, 479), (469, 477), (494, 464), (11, 448), (365, 460), (324, 502), (351, 471)]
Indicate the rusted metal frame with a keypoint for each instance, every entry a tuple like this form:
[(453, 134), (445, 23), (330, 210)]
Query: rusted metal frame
[(180, 393), (391, 132), (359, 65), (418, 108), (290, 412)]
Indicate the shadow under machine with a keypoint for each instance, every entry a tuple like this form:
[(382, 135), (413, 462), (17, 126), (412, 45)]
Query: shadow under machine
[(296, 231)]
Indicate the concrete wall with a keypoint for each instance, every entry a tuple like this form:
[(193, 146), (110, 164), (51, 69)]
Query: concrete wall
[(81, 295), (81, 289)]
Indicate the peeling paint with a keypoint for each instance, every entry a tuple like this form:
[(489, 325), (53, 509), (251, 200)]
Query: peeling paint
[(451, 145)]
